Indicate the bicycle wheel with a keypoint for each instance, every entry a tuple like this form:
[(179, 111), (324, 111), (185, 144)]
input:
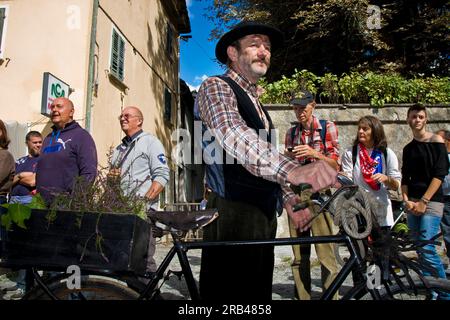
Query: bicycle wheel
[(92, 287), (421, 292)]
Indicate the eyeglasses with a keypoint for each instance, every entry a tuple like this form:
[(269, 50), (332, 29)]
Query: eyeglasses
[(126, 116)]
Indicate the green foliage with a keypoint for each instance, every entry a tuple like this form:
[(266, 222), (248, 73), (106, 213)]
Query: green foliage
[(17, 213), (337, 36), (368, 87)]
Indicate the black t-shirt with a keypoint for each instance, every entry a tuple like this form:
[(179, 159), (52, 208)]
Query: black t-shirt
[(423, 161)]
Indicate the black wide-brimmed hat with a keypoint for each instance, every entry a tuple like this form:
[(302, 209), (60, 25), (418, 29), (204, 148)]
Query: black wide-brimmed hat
[(243, 29)]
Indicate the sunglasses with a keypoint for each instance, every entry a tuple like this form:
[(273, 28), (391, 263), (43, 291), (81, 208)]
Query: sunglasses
[(126, 116)]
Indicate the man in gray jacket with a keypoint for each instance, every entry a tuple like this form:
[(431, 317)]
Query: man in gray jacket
[(142, 165)]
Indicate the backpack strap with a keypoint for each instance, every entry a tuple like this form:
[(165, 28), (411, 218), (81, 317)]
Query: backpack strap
[(293, 133), (323, 132), (354, 152)]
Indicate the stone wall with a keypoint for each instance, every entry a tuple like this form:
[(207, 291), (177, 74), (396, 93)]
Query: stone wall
[(346, 118)]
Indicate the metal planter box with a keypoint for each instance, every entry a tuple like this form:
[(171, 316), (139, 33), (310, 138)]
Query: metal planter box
[(65, 242)]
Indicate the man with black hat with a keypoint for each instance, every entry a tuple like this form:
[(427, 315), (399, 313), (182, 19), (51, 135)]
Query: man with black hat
[(310, 140), (247, 190)]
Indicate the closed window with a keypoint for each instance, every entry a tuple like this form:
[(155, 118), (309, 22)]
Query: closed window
[(169, 40), (3, 17), (167, 105), (117, 64)]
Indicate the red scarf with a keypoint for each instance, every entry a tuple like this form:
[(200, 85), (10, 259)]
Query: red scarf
[(368, 167)]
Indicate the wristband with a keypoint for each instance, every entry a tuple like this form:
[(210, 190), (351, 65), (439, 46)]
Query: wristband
[(424, 200)]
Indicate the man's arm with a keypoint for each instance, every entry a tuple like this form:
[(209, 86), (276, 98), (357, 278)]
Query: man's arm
[(154, 191), (331, 152), (87, 158), (25, 178), (159, 169)]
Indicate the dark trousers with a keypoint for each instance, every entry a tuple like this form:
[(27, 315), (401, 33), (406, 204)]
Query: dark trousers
[(237, 273)]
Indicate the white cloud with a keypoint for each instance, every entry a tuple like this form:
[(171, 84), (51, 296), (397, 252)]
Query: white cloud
[(189, 5), (193, 88), (200, 79)]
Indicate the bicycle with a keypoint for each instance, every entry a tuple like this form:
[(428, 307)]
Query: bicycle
[(102, 284)]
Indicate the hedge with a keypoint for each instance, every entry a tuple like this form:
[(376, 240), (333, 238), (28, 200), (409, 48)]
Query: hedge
[(369, 87)]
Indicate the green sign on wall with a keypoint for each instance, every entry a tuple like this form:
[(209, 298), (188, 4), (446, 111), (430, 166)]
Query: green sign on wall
[(52, 88)]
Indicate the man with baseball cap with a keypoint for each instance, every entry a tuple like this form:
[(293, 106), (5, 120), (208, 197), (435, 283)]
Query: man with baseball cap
[(247, 190), (311, 140)]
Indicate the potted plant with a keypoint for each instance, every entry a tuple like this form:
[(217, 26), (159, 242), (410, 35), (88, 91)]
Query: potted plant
[(96, 226)]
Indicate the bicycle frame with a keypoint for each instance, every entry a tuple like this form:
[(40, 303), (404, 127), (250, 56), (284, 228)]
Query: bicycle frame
[(180, 248)]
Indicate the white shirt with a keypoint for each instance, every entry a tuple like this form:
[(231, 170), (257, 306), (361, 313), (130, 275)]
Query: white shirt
[(384, 210)]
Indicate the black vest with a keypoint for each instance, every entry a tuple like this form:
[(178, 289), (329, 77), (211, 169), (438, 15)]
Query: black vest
[(240, 184)]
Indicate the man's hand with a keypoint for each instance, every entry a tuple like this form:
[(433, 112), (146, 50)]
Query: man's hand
[(318, 174), (306, 151), (113, 173), (379, 177), (300, 218), (154, 191)]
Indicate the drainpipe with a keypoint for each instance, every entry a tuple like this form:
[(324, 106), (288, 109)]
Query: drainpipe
[(91, 70)]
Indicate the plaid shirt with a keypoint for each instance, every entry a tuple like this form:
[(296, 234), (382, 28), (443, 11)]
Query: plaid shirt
[(219, 112), (303, 137)]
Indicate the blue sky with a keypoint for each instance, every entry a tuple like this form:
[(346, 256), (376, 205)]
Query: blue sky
[(197, 54)]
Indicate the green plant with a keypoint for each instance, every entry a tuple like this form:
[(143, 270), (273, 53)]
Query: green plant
[(377, 89), (17, 213)]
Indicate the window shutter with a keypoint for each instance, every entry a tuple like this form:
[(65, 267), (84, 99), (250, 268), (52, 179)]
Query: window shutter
[(121, 62), (167, 104), (117, 55), (169, 40), (2, 22)]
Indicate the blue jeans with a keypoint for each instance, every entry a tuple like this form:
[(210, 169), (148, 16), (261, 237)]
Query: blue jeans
[(445, 224), (426, 227), (21, 199)]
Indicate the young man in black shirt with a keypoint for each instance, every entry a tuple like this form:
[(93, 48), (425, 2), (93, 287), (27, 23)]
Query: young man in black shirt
[(425, 165)]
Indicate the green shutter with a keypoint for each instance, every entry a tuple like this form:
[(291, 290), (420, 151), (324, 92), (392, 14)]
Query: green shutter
[(2, 22), (121, 61), (117, 55)]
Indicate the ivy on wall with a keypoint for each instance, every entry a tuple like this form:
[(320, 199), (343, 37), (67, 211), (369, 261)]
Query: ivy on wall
[(369, 87)]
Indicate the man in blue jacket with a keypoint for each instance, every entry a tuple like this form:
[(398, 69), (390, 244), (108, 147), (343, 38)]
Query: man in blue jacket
[(68, 152)]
